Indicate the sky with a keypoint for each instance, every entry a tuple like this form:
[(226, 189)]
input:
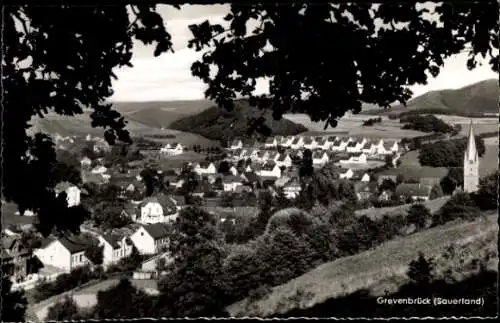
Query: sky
[(168, 77)]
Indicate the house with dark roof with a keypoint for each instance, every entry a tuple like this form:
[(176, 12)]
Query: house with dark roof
[(320, 158), (250, 178), (271, 142), (115, 248), (151, 239), (157, 209), (310, 143), (415, 191), (284, 159), (231, 182), (356, 146), (297, 143), (365, 190), (270, 169), (66, 253), (339, 144), (205, 168), (14, 252)]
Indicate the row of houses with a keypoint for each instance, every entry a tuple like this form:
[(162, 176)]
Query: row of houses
[(332, 143)]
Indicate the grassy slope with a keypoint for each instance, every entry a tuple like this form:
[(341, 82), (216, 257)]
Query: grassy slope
[(219, 124), (477, 97), (364, 270)]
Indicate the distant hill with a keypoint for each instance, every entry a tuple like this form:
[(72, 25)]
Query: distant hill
[(160, 114), (219, 124), (471, 101)]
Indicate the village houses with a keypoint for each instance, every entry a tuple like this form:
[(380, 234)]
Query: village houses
[(115, 248), (151, 239), (64, 253), (72, 193), (173, 149)]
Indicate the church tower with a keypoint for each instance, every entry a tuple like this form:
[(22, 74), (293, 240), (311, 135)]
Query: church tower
[(471, 163)]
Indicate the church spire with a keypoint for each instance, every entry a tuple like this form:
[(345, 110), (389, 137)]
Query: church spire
[(471, 151)]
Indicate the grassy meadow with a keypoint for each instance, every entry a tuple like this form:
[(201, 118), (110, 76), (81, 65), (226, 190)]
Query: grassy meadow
[(347, 275)]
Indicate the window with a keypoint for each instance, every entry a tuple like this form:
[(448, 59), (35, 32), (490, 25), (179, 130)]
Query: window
[(81, 258)]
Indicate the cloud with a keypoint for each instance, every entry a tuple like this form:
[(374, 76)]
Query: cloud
[(168, 77)]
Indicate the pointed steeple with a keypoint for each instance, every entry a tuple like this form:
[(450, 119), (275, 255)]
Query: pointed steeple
[(471, 151)]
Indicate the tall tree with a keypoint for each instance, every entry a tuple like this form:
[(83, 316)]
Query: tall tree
[(52, 62)]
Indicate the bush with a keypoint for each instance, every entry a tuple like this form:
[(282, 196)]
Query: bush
[(459, 206)]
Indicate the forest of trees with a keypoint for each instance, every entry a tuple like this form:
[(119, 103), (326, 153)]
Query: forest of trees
[(243, 121), (448, 153), (425, 123)]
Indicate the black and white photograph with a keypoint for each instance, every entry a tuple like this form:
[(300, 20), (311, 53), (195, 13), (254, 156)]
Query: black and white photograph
[(263, 160)]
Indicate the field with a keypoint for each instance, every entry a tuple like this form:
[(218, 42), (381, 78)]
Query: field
[(352, 125), (80, 125), (364, 270), (378, 213), (489, 162)]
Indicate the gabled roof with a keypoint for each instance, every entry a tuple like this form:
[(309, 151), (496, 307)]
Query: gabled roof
[(367, 145), (73, 245), (205, 164), (282, 157), (332, 138), (337, 143), (166, 203), (356, 154), (352, 144), (295, 141), (112, 239), (157, 230), (318, 154), (308, 141)]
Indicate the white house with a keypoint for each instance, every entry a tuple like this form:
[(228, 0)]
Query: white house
[(320, 158), (151, 239), (388, 147), (230, 183), (115, 248), (284, 160), (64, 253), (324, 144), (376, 145), (236, 144), (205, 168), (72, 193), (270, 170), (297, 143), (340, 144), (348, 174), (157, 209), (292, 189), (271, 142), (310, 143), (358, 158), (368, 148), (173, 149), (355, 146), (85, 162)]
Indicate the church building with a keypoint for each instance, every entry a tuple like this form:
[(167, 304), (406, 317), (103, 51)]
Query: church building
[(471, 164)]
